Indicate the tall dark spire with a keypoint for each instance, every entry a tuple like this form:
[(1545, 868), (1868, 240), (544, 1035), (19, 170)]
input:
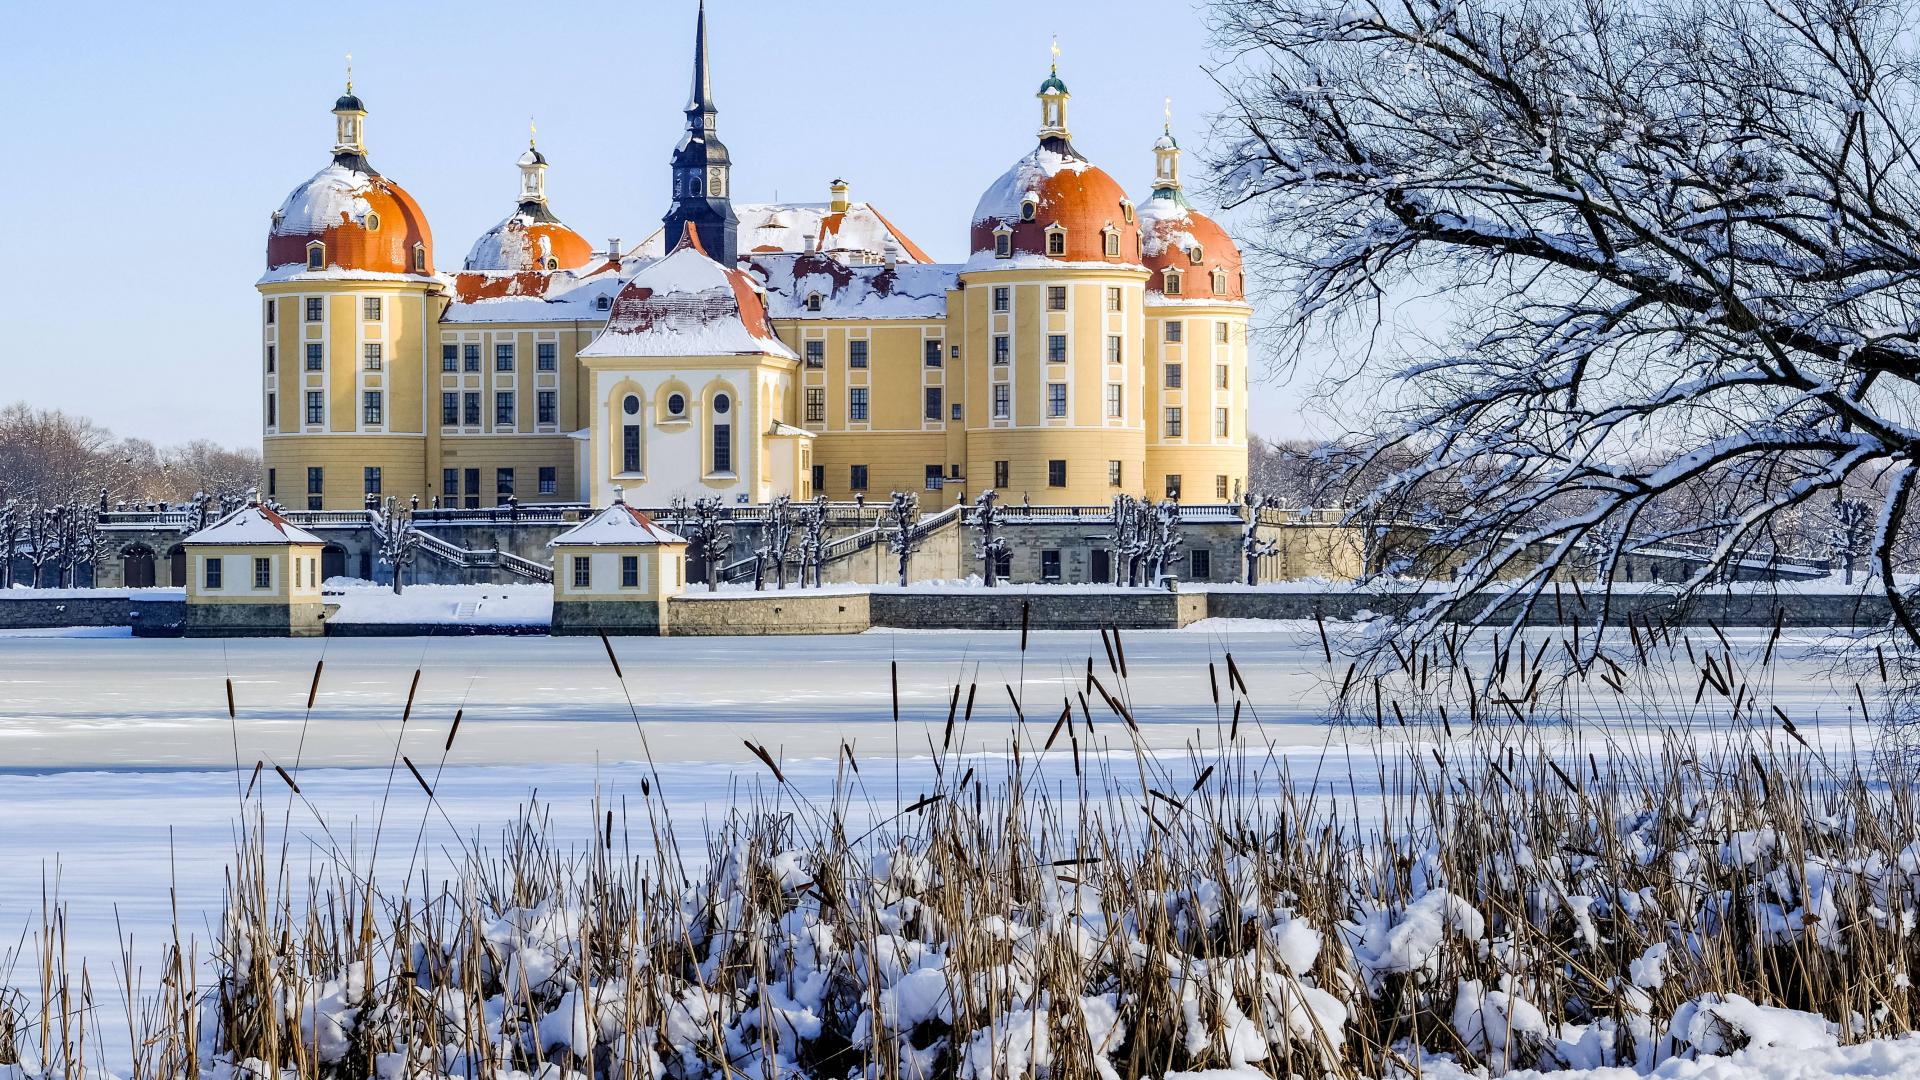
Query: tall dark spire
[(702, 184)]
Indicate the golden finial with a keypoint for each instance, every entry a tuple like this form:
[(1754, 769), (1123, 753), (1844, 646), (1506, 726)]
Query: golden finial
[(1055, 49), (349, 73), (532, 132), (1167, 110)]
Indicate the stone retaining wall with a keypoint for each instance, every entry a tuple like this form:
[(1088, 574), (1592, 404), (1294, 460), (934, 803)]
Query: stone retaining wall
[(792, 612)]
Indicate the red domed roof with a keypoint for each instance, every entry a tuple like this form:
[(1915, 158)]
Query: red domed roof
[(1170, 232), (367, 222), (1063, 189), (529, 241)]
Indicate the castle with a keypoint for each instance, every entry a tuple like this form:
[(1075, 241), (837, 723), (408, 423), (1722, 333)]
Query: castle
[(1089, 346)]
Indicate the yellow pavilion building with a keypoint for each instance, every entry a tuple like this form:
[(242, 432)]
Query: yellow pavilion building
[(1090, 344)]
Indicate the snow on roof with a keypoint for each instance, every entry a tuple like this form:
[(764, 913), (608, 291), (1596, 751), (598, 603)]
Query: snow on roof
[(902, 291), (254, 524), (1001, 201), (334, 195), (767, 228), (537, 296), (1165, 224), (521, 242), (618, 525), (689, 305)]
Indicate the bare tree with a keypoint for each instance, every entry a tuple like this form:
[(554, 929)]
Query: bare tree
[(903, 514), (986, 518), (1851, 522), (813, 539), (776, 537), (1253, 547), (1679, 244), (1126, 539), (10, 513), (1161, 528), (712, 537), (399, 540)]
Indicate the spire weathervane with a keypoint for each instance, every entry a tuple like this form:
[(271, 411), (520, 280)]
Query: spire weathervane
[(349, 73), (1167, 110), (533, 132), (1055, 50)]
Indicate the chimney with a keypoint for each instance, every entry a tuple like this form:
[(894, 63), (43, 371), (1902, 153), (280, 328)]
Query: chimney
[(613, 247), (840, 202), (807, 242), (889, 251)]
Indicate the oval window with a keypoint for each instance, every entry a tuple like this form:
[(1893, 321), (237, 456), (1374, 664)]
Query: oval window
[(631, 405), (721, 403), (676, 405)]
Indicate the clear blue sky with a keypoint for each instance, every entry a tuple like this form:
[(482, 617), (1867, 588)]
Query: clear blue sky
[(150, 143)]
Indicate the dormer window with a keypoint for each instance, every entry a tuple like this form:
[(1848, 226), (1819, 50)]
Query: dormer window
[(1126, 211), (1219, 281), (1003, 243), (373, 222), (1028, 207), (1170, 281), (813, 301), (602, 303), (316, 256), (1110, 238), (551, 263), (419, 258), (1196, 255), (1056, 240)]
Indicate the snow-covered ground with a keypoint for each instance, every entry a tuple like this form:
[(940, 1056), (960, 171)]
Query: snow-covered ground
[(480, 605)]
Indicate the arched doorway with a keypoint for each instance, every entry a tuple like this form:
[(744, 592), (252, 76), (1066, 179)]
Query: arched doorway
[(136, 567), (177, 566), (333, 562)]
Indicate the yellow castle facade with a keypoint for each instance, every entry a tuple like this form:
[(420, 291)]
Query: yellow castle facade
[(1089, 346)]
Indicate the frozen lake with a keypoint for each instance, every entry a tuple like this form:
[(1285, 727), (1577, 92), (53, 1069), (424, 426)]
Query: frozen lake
[(118, 777)]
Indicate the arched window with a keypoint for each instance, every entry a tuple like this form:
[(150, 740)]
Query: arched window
[(630, 435), (1219, 281), (316, 256), (1110, 238), (419, 258), (1003, 243), (813, 301), (602, 303), (1126, 211), (1170, 279), (722, 433), (1056, 240), (1028, 207)]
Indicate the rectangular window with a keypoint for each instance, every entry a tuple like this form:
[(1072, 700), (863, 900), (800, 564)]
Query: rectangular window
[(370, 480), (1113, 473), (857, 403), (470, 408), (1219, 423), (819, 477), (1174, 329), (630, 448), (1116, 354), (271, 353), (449, 358), (314, 308), (316, 356), (932, 403), (956, 410), (316, 479), (503, 357), (816, 404), (934, 479), (1057, 472), (213, 566), (503, 482), (470, 357), (723, 448), (273, 410), (1056, 298), (932, 350), (262, 572), (1173, 376), (629, 571), (1000, 471), (370, 407), (1220, 486), (1199, 564), (1056, 243), (1002, 399), (1056, 348), (272, 307), (1002, 298), (316, 407), (857, 477), (1050, 566), (450, 482), (1113, 298), (473, 486), (371, 351), (273, 482), (816, 353), (582, 571), (1116, 401), (1172, 485), (857, 354), (1056, 399), (1002, 348), (1220, 332), (549, 480), (370, 309), (546, 356), (503, 408), (548, 404), (1173, 422), (1221, 377)]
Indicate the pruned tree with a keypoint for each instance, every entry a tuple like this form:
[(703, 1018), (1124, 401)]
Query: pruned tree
[(398, 538), (813, 539), (903, 537), (712, 537), (1126, 540), (1851, 533), (9, 540), (41, 535), (986, 519), (1679, 246), (1254, 547), (200, 512), (776, 537), (1163, 537)]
